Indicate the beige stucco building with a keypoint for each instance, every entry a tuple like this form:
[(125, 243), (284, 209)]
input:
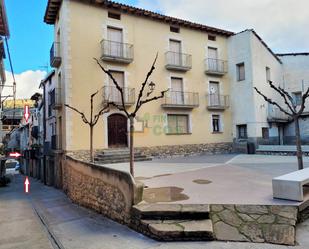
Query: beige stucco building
[(192, 63), (210, 74)]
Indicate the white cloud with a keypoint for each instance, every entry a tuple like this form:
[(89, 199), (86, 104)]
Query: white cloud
[(283, 24), (27, 83)]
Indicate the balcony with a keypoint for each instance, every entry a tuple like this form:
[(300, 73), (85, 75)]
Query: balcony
[(117, 51), (55, 58), (178, 61), (217, 102), (215, 67), (185, 100), (57, 101), (56, 143), (111, 94), (276, 116)]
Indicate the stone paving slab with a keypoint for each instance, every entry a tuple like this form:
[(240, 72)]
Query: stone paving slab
[(228, 185)]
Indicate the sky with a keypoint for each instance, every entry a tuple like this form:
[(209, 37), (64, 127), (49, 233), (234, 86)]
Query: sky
[(282, 24)]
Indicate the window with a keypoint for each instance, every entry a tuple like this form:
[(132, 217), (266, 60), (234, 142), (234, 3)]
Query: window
[(114, 15), (240, 71), (178, 124), (216, 123), (174, 29), (211, 37), (268, 74), (297, 96), (242, 131), (265, 133)]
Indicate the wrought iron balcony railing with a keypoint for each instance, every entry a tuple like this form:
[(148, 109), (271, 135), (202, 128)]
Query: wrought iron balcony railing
[(57, 101), (178, 61), (55, 56), (215, 67), (112, 94), (174, 99), (217, 102), (275, 115), (117, 51)]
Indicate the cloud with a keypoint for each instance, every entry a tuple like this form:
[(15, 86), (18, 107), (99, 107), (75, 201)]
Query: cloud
[(283, 24), (27, 83)]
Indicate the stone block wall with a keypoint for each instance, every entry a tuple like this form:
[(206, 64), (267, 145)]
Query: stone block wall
[(105, 190), (186, 150), (255, 223)]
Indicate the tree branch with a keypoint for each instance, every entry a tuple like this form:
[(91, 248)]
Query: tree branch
[(304, 97), (150, 99), (140, 95), (272, 102), (284, 95), (79, 112), (119, 88), (105, 109)]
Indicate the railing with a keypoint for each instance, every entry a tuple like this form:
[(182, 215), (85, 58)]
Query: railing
[(178, 61), (112, 94), (116, 51), (275, 115), (55, 58), (55, 142), (215, 66), (57, 101), (219, 102), (181, 99)]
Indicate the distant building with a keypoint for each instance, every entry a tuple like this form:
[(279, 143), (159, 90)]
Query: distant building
[(11, 117)]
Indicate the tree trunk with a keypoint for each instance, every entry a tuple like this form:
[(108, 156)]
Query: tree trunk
[(91, 143), (131, 146), (299, 152)]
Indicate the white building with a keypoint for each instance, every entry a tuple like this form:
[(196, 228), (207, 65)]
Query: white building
[(252, 64)]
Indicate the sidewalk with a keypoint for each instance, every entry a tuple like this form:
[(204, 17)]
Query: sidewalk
[(74, 227), (20, 227)]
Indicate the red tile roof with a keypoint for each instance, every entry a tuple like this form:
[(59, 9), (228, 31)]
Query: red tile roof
[(53, 7)]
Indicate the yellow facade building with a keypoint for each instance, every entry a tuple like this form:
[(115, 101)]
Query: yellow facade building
[(192, 64)]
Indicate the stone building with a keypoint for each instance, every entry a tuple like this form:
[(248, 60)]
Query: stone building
[(210, 73)]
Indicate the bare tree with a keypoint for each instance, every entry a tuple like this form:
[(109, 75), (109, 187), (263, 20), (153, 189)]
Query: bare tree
[(92, 121), (141, 100), (294, 110)]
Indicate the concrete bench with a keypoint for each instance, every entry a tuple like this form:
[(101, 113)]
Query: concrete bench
[(290, 186)]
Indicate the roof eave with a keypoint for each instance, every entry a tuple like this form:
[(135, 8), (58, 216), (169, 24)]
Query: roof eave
[(54, 5)]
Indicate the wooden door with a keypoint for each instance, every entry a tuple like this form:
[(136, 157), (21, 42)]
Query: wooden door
[(214, 91), (175, 47), (114, 94), (117, 131), (177, 91), (115, 42), (213, 59)]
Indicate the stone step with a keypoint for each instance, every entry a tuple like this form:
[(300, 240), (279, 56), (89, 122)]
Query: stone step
[(121, 160), (170, 211), (115, 151), (102, 156), (168, 230)]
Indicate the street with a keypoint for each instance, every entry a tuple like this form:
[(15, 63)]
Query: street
[(47, 219)]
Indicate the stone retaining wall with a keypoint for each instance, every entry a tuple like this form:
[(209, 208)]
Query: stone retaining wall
[(253, 223), (186, 150), (105, 190)]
